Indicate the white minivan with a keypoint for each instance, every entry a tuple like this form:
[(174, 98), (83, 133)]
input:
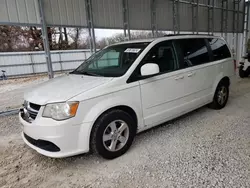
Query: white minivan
[(124, 89)]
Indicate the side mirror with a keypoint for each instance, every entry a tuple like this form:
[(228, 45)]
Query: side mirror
[(150, 69)]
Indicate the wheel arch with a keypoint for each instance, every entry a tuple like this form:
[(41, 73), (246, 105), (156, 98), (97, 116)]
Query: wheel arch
[(219, 79), (124, 108), (215, 103), (226, 80)]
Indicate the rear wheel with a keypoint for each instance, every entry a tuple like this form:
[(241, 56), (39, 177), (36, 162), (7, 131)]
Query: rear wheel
[(113, 134), (221, 96)]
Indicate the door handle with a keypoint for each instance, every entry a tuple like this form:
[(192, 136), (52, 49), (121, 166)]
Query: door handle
[(191, 74), (179, 77)]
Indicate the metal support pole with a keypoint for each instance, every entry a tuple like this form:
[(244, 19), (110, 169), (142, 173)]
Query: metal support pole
[(91, 28), (222, 18), (153, 18), (176, 21), (243, 45), (226, 20), (234, 20), (32, 63), (237, 34), (197, 16), (126, 26), (210, 16), (92, 25), (246, 30), (45, 40), (124, 18), (90, 40), (193, 16), (60, 61)]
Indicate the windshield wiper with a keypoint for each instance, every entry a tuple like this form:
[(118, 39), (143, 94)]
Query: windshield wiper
[(90, 73), (85, 73)]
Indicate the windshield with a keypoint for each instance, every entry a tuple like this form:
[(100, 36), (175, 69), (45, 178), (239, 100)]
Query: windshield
[(113, 61)]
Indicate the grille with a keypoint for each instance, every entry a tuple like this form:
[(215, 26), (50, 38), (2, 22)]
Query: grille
[(32, 114), (35, 106), (32, 109)]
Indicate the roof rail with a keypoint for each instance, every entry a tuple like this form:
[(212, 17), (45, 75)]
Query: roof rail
[(171, 35)]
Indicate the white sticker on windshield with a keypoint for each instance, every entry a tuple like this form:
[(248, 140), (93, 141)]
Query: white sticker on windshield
[(132, 50)]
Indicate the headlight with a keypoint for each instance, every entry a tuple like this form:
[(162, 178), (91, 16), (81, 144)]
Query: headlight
[(60, 111)]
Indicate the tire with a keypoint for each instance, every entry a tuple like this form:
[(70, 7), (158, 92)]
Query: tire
[(242, 73), (217, 103), (107, 127)]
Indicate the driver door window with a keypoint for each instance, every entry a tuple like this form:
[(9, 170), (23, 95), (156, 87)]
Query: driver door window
[(163, 55)]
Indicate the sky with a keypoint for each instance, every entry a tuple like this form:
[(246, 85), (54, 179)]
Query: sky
[(103, 33)]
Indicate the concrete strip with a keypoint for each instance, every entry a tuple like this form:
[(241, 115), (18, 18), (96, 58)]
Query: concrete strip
[(9, 112)]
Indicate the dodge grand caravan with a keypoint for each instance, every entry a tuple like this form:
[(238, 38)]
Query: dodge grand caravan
[(124, 89)]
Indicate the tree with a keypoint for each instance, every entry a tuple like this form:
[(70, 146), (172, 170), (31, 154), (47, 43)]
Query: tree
[(15, 38), (120, 37), (36, 40), (78, 41)]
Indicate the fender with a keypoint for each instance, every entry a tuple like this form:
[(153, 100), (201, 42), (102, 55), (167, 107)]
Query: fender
[(128, 97), (113, 102), (101, 104)]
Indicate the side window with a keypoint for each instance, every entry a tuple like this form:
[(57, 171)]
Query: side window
[(192, 52), (163, 55), (219, 49)]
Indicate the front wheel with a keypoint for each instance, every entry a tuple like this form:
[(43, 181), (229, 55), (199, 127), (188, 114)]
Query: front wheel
[(113, 134), (221, 96)]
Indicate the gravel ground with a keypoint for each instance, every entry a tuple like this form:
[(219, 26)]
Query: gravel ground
[(12, 90), (205, 148)]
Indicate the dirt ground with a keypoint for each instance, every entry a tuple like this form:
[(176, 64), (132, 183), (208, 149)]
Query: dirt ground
[(205, 148)]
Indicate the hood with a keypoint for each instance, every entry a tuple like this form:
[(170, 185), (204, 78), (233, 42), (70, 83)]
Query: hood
[(63, 88)]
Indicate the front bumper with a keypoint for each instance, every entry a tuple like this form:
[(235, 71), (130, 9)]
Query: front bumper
[(66, 139)]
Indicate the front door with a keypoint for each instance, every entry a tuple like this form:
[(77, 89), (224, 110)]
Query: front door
[(163, 94)]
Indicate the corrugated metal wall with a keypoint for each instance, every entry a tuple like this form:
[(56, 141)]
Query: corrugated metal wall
[(185, 14), (23, 63), (109, 14), (19, 11), (203, 15), (65, 12), (139, 14), (164, 14)]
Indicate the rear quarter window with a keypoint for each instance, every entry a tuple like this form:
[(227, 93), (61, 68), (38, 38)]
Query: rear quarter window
[(219, 49)]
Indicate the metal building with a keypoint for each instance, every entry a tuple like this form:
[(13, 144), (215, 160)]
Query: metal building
[(227, 17)]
